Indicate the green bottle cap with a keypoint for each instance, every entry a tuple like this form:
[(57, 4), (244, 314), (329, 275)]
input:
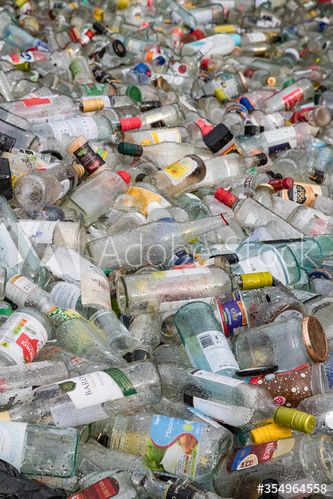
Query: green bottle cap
[(107, 270), (134, 93), (130, 149), (297, 420)]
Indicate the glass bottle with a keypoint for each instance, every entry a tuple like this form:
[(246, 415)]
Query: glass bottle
[(205, 344), (91, 397)]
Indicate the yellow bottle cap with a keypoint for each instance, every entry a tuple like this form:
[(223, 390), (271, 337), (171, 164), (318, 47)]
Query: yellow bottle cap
[(220, 94), (225, 28), (123, 4), (20, 3), (90, 105), (98, 14), (270, 432), (256, 280), (297, 420), (24, 66)]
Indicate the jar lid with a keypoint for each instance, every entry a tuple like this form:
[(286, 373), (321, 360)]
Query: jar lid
[(314, 339)]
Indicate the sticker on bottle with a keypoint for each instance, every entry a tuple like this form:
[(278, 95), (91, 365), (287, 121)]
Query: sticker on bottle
[(233, 315), (12, 443), (329, 420), (73, 127), (173, 446), (267, 261), (144, 197), (22, 337), (9, 253), (180, 170), (292, 98), (302, 193), (103, 489), (97, 387), (65, 295), (216, 378), (202, 416), (180, 272), (95, 290), (215, 348), (253, 455), (36, 101), (158, 136), (225, 414), (280, 139), (38, 231)]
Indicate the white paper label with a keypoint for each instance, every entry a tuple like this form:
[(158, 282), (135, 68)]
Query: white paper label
[(217, 378), (217, 351), (92, 389), (65, 295), (40, 231), (228, 414), (177, 172), (67, 264), (95, 290), (9, 254), (156, 137), (12, 440), (204, 417), (329, 419), (74, 127), (281, 136), (180, 272), (267, 261), (23, 284), (256, 37), (21, 337)]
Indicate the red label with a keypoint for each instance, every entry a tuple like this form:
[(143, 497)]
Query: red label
[(36, 101), (29, 347), (291, 99), (103, 489)]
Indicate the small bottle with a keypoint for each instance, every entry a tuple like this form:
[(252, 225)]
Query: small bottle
[(85, 154)]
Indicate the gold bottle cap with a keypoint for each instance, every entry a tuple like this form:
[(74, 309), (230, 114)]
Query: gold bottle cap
[(297, 420), (90, 105), (265, 186), (270, 432), (5, 416), (79, 170), (76, 144), (256, 280), (314, 339)]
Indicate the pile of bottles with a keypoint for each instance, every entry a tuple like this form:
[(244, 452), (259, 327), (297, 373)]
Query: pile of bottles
[(166, 247)]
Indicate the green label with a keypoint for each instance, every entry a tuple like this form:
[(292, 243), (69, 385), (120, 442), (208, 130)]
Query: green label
[(93, 89), (122, 381)]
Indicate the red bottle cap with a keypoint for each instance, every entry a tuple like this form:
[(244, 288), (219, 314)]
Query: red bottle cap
[(225, 197), (282, 183), (124, 175), (130, 123), (204, 63)]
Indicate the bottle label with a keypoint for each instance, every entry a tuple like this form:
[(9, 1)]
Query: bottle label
[(281, 139), (65, 295), (97, 388), (93, 89), (247, 457), (256, 37), (103, 489), (302, 193), (174, 446), (180, 170), (95, 290), (65, 315), (292, 98), (36, 101), (226, 414), (180, 272), (151, 138), (216, 349), (12, 440), (287, 388), (74, 127), (267, 261), (203, 417), (145, 197), (183, 490), (39, 231), (18, 396), (233, 315), (9, 253), (216, 378), (22, 337)]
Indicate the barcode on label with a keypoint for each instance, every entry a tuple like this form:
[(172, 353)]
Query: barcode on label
[(206, 341)]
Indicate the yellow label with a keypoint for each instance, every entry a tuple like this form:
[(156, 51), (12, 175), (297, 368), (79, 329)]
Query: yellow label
[(177, 170), (225, 28), (302, 193)]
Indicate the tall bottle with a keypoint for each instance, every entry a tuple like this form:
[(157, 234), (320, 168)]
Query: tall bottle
[(204, 341)]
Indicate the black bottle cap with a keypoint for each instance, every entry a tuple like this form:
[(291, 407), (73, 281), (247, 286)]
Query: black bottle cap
[(276, 176), (257, 371), (149, 104), (158, 124), (6, 188), (128, 357), (230, 257), (119, 48), (262, 158), (251, 129), (99, 28), (218, 137), (140, 354), (188, 399)]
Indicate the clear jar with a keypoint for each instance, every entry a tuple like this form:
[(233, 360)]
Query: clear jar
[(286, 343)]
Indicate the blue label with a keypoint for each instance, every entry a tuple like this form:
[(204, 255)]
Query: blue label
[(173, 447), (233, 315)]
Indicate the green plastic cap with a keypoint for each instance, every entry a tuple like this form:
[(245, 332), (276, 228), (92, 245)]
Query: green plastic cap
[(297, 420), (130, 149)]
